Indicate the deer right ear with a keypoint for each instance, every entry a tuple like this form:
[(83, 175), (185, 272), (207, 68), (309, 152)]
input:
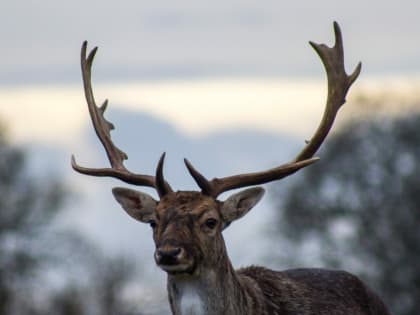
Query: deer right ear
[(138, 205), (239, 204)]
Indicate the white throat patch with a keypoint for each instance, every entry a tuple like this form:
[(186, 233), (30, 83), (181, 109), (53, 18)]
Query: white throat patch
[(190, 301)]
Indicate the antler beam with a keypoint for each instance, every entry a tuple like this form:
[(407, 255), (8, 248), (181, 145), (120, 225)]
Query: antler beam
[(338, 85), (103, 129)]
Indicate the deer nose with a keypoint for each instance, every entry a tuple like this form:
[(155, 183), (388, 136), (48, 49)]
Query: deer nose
[(169, 252), (167, 255)]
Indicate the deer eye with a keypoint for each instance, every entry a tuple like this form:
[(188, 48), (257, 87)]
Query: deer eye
[(211, 223), (152, 224)]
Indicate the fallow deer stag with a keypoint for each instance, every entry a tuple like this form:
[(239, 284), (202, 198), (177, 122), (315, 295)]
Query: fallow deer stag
[(187, 225)]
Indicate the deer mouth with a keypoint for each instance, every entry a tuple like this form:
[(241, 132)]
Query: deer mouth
[(178, 268), (174, 262)]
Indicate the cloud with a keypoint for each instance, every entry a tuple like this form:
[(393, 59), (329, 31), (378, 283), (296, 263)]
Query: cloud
[(41, 40), (55, 113)]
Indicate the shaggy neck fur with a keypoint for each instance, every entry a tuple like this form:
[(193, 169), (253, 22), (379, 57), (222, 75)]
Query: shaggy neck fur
[(211, 292)]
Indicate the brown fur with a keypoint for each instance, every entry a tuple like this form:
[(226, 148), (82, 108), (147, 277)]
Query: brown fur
[(187, 231), (254, 290)]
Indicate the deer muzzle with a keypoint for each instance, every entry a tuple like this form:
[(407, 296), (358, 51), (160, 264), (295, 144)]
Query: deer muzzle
[(173, 259)]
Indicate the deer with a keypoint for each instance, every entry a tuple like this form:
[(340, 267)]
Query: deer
[(187, 226)]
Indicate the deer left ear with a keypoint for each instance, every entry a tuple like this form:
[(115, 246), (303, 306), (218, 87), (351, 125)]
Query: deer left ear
[(237, 205), (137, 204)]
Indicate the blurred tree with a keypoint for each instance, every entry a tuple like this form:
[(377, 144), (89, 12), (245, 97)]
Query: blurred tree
[(30, 248), (68, 301), (98, 284), (359, 208), (110, 279), (27, 207)]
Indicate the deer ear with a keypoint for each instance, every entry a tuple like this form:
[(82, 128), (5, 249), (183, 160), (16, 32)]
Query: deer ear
[(237, 205), (138, 205)]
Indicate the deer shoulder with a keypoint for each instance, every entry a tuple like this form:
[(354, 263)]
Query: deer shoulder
[(309, 291)]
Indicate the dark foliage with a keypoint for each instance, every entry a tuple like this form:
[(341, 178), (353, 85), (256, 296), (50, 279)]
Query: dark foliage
[(31, 248), (27, 208), (361, 205)]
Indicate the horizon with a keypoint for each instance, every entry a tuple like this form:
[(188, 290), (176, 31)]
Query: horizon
[(195, 107)]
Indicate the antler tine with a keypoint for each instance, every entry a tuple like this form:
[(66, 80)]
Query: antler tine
[(202, 182), (216, 186), (338, 85), (101, 125), (103, 129), (162, 186)]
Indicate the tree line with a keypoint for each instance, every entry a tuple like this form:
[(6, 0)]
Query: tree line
[(359, 208), (44, 270)]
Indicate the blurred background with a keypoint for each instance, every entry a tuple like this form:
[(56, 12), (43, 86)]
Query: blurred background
[(234, 87)]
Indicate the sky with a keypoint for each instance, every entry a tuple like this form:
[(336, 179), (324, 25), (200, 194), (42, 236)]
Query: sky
[(195, 107), (236, 63), (173, 39)]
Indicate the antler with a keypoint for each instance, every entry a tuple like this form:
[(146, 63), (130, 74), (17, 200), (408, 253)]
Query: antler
[(338, 85), (103, 129)]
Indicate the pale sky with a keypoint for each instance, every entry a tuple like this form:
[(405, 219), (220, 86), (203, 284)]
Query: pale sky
[(141, 39), (56, 114), (197, 107)]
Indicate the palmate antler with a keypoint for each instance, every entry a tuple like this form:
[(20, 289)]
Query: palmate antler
[(338, 85)]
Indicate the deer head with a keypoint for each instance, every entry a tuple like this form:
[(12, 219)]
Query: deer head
[(187, 225)]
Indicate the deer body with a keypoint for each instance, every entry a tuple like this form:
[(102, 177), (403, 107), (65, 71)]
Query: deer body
[(259, 291), (187, 225), (187, 230)]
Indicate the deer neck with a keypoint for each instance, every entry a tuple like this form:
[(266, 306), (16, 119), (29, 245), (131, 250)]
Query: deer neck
[(215, 290)]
